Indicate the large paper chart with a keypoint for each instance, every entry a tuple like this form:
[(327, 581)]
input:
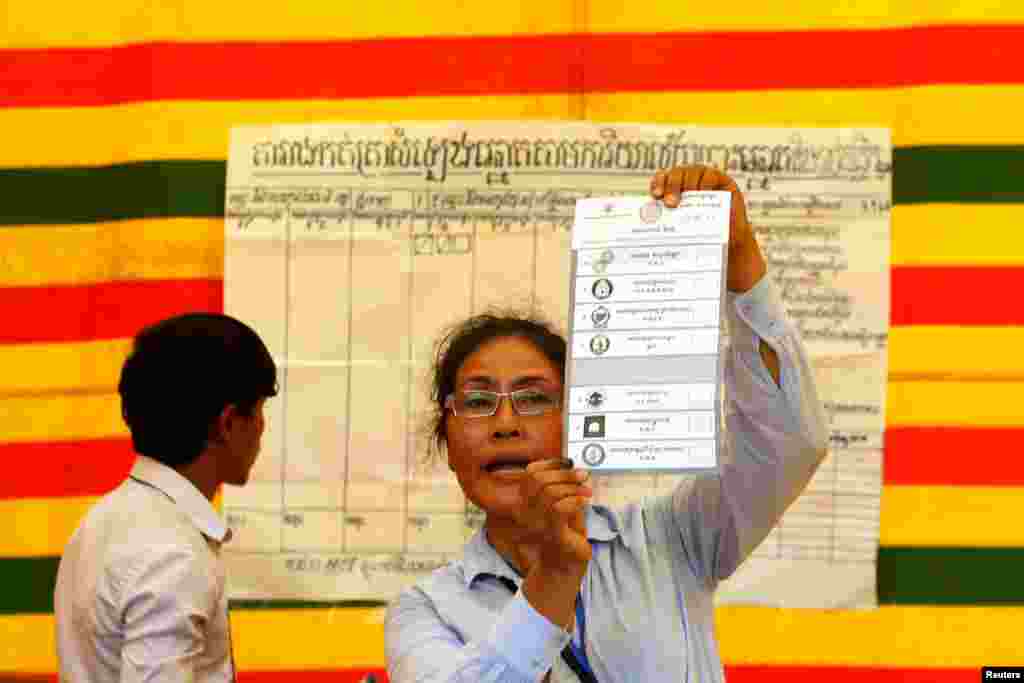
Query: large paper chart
[(350, 247)]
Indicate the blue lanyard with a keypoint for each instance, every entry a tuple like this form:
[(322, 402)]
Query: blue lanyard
[(580, 651), (575, 656)]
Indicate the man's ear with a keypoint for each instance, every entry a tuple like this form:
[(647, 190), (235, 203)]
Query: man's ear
[(224, 423)]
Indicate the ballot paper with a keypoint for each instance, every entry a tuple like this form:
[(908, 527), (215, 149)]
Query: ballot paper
[(646, 286)]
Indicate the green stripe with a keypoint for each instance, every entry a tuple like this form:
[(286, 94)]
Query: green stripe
[(305, 604), (154, 189), (31, 581), (906, 576), (28, 584), (149, 189), (961, 174), (950, 576)]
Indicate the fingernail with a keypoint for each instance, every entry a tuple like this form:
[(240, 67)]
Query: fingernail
[(567, 464)]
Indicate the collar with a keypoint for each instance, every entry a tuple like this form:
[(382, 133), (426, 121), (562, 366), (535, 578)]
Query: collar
[(183, 494), (480, 558)]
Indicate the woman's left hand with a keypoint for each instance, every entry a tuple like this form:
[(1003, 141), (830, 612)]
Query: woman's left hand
[(746, 263)]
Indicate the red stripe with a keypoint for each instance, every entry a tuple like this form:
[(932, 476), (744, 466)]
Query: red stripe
[(922, 456), (848, 675), (512, 64), (64, 468), (833, 674), (307, 676), (108, 310), (112, 310), (934, 456), (734, 674), (956, 295)]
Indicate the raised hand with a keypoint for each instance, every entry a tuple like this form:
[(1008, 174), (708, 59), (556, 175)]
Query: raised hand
[(746, 264)]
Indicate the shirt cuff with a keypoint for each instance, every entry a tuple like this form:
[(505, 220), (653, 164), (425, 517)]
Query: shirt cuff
[(527, 639), (756, 314)]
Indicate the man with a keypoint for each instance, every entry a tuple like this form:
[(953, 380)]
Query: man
[(140, 591)]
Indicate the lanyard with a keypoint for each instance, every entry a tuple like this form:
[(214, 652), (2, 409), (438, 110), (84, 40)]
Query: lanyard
[(575, 657), (580, 651)]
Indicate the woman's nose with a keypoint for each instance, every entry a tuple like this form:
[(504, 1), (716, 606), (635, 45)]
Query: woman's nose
[(506, 420)]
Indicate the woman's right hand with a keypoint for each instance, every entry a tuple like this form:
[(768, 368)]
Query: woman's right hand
[(556, 497)]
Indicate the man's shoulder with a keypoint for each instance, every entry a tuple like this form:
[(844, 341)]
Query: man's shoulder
[(132, 520)]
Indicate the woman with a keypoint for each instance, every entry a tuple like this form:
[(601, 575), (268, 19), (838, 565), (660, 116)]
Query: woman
[(555, 588)]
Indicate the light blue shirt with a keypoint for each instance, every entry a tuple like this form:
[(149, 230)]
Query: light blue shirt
[(649, 588)]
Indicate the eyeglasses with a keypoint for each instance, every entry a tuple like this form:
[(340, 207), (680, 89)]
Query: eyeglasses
[(478, 403)]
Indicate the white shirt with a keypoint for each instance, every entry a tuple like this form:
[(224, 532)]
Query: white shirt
[(648, 594), (140, 590)]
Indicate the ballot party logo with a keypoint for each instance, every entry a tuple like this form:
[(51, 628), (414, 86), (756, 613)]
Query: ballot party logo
[(599, 345), (593, 454), (602, 288), (593, 427), (603, 260)]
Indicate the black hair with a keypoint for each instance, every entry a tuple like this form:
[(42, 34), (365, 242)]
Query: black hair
[(180, 375), (462, 339)]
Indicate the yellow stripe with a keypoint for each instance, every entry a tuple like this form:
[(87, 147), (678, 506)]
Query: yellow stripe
[(30, 25), (199, 130), (935, 637), (957, 235), (931, 115), (951, 353), (128, 21), (157, 130), (40, 369), (37, 417), (888, 636), (29, 644), (968, 516), (120, 250), (959, 516), (62, 418), (169, 248), (915, 352), (968, 404), (751, 15), (44, 524), (323, 645), (748, 635)]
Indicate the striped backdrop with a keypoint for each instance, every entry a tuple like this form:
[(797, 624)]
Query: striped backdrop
[(113, 135)]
